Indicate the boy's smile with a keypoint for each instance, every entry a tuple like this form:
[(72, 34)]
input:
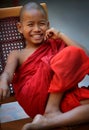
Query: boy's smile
[(33, 26)]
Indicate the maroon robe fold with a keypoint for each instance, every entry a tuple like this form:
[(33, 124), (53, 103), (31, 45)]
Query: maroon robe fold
[(70, 66), (32, 78), (51, 68)]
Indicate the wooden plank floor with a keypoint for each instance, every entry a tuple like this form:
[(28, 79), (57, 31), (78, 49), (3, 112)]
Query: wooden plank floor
[(17, 125), (9, 99)]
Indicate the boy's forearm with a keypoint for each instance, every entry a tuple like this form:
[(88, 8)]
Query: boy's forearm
[(76, 116), (71, 42), (6, 77)]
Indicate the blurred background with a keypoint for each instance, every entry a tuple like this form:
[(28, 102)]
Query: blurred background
[(68, 16)]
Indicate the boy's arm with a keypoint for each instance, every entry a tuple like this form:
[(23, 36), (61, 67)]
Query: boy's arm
[(7, 75), (71, 42), (52, 33), (75, 116)]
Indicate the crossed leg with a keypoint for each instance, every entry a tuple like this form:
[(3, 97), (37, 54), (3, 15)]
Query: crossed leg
[(52, 109), (55, 118)]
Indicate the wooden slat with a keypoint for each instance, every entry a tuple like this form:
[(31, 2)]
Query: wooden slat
[(15, 11), (9, 99), (15, 125), (8, 12)]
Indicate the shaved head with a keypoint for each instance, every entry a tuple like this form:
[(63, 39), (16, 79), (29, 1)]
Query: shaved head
[(30, 6)]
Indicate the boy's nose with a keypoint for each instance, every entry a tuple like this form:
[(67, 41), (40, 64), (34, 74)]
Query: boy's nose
[(36, 28)]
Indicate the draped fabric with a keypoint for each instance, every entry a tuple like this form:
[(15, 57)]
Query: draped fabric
[(32, 79), (70, 66), (53, 67)]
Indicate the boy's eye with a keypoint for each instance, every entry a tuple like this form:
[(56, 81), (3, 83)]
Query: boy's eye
[(42, 23), (30, 25)]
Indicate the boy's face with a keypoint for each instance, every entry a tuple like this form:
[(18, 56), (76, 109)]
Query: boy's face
[(33, 26)]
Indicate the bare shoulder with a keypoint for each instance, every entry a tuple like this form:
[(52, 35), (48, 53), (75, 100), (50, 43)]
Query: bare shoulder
[(14, 54), (12, 61), (18, 55)]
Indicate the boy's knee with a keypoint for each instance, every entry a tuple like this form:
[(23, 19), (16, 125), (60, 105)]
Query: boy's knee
[(70, 53), (74, 52)]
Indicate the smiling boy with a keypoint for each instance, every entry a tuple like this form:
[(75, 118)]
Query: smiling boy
[(46, 72)]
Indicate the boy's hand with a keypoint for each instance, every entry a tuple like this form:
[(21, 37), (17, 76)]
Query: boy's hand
[(4, 91), (52, 33)]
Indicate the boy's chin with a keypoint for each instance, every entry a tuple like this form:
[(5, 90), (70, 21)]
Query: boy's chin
[(38, 42)]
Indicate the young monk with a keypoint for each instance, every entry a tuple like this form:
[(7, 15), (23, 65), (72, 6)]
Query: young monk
[(46, 72)]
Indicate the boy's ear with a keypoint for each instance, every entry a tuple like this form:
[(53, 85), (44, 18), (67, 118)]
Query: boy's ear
[(19, 27)]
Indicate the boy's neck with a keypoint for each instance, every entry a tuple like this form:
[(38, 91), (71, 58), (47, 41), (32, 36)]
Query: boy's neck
[(28, 45)]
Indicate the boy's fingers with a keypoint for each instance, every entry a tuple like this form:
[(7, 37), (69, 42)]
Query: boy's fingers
[(1, 95), (49, 35), (8, 94), (1, 91), (5, 93), (45, 38)]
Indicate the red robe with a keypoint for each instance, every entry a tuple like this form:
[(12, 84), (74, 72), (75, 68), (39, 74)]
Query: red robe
[(70, 66), (37, 75)]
